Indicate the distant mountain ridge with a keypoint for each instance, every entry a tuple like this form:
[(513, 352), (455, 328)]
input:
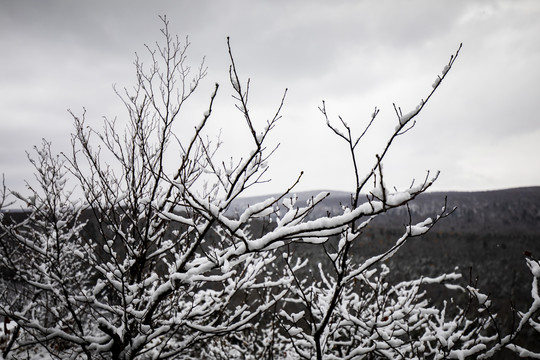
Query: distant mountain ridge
[(497, 211), (514, 210)]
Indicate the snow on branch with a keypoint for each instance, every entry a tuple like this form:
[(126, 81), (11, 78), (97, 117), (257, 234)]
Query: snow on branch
[(151, 262)]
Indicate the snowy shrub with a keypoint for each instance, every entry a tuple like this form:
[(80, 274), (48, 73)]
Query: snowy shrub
[(170, 272)]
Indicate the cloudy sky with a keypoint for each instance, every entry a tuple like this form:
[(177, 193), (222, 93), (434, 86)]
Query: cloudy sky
[(481, 129)]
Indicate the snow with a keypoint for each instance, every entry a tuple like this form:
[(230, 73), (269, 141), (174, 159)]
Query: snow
[(293, 331), (534, 266), (398, 198), (464, 353), (198, 295), (405, 118), (296, 317), (482, 298), (260, 209), (420, 228), (408, 116), (445, 69), (522, 352)]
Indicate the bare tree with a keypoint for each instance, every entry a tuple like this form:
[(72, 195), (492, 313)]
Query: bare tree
[(172, 272)]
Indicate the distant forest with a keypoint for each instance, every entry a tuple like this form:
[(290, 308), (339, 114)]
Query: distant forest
[(485, 238)]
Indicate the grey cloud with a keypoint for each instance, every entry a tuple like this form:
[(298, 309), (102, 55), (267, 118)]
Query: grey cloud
[(356, 54)]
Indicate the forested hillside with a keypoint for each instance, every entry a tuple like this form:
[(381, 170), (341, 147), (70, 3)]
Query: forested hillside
[(486, 238), (489, 232)]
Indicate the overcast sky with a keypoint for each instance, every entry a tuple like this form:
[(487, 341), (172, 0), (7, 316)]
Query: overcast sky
[(481, 129)]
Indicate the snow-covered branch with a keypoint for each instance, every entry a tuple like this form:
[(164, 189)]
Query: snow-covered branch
[(153, 263)]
